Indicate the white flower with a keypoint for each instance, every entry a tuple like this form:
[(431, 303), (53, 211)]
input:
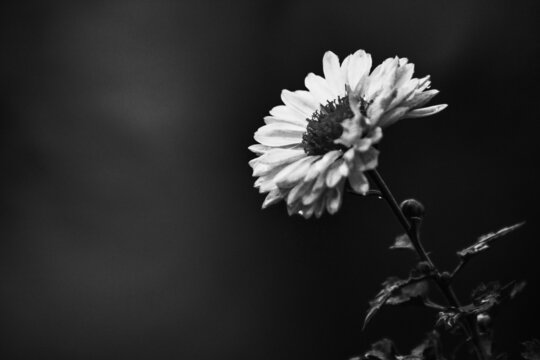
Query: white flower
[(324, 136)]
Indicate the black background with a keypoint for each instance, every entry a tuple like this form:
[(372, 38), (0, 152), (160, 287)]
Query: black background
[(129, 225)]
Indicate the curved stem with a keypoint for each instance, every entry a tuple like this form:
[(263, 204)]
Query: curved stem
[(391, 200), (468, 326)]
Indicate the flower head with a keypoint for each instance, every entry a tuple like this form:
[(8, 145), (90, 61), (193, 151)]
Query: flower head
[(321, 138)]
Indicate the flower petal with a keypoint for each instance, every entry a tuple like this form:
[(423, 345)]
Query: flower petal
[(323, 164), (294, 208), (288, 113), (421, 98), (332, 73), (380, 104), (427, 111), (424, 83), (278, 156), (274, 158), (265, 184), (345, 69), (335, 173), (313, 195), (274, 120), (319, 207), (359, 67), (298, 191), (390, 117), (300, 100), (367, 160), (259, 149), (334, 198), (358, 182), (403, 74), (273, 197), (319, 186), (319, 88), (404, 92), (294, 172), (279, 134), (381, 78), (307, 212)]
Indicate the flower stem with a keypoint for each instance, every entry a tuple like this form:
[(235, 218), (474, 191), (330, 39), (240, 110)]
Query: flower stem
[(468, 326)]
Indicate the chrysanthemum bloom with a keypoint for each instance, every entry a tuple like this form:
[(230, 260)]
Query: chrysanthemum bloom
[(324, 136)]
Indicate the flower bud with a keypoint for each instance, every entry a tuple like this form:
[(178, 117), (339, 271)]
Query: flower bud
[(412, 208)]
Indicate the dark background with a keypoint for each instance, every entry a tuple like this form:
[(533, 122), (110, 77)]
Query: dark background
[(129, 225)]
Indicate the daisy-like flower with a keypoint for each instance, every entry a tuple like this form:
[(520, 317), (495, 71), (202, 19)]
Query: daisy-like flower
[(325, 136)]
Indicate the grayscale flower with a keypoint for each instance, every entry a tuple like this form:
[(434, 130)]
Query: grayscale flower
[(322, 137)]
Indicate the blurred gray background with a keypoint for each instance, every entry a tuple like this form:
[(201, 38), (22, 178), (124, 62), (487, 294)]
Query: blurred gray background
[(129, 225)]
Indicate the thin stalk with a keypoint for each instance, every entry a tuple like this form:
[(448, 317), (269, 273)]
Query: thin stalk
[(458, 268), (468, 327)]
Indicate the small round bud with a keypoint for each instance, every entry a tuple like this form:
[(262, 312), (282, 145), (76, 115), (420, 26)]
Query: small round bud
[(412, 208)]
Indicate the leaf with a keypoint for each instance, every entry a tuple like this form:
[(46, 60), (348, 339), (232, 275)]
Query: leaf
[(430, 348), (396, 291), (532, 350), (383, 349), (494, 292), (402, 242), (415, 291), (422, 269), (389, 286), (485, 290), (487, 296), (484, 241)]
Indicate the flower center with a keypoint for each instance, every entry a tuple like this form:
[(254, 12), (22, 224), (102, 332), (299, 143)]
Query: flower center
[(325, 126)]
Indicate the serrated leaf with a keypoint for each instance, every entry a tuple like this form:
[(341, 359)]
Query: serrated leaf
[(396, 291), (501, 232), (484, 290), (402, 242), (486, 296), (494, 290), (532, 350), (483, 243), (415, 291), (389, 285)]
